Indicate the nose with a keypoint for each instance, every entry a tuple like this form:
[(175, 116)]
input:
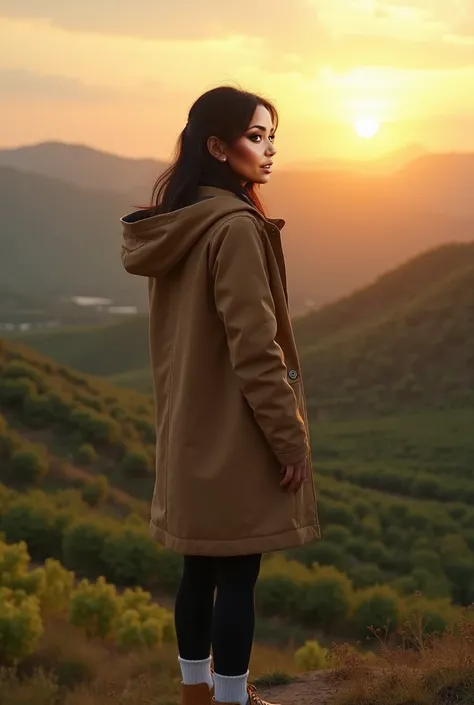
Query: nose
[(271, 149)]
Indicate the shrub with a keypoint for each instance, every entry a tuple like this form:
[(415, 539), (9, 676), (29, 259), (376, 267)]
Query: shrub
[(276, 595), (311, 657), (96, 491), (376, 608), (27, 466), (131, 557), (94, 607), (136, 464), (83, 544), (39, 525), (85, 454), (56, 588), (95, 427), (20, 625), (326, 600), (14, 391)]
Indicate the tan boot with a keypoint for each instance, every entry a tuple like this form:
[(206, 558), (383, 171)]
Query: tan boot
[(254, 698), (196, 694)]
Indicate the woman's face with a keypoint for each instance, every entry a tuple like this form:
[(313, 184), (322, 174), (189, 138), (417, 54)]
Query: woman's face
[(251, 157)]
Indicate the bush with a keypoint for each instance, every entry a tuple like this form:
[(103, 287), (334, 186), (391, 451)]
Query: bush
[(20, 625), (376, 608), (131, 557), (311, 657), (96, 491), (56, 588), (276, 595), (14, 391), (39, 525), (94, 607), (95, 427), (85, 454), (136, 464), (326, 600), (83, 544), (27, 466)]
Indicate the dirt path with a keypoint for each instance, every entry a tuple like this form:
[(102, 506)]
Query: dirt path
[(315, 688)]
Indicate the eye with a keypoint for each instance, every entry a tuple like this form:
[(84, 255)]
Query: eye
[(272, 138), (255, 137)]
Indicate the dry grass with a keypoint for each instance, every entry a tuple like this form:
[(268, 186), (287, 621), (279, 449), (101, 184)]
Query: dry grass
[(421, 670), (417, 670)]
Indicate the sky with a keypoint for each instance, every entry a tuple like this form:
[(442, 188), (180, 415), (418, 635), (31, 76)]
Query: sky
[(121, 76)]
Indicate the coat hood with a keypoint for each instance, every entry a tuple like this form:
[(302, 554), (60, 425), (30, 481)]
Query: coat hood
[(154, 243)]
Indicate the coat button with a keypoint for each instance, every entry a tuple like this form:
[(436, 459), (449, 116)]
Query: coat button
[(293, 374)]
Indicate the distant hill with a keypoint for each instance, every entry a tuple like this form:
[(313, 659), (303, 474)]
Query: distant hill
[(343, 229), (405, 340), (86, 167), (385, 164), (61, 240), (416, 352)]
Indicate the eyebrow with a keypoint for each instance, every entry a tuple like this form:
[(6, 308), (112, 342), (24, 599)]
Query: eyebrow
[(260, 127)]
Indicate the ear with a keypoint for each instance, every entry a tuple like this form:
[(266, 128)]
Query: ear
[(217, 149)]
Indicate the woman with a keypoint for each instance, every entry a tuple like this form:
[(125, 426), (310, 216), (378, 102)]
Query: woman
[(233, 469)]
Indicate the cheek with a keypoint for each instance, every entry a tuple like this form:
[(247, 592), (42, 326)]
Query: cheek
[(246, 152)]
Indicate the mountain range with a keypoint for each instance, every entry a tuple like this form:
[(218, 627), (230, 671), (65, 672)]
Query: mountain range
[(61, 206)]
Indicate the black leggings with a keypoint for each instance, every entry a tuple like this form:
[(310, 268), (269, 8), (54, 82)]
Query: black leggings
[(228, 624)]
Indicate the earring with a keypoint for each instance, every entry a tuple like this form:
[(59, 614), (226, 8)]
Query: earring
[(224, 159)]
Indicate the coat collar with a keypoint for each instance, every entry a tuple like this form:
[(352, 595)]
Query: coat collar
[(213, 191)]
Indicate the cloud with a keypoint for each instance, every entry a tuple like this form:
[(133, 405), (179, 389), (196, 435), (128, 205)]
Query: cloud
[(18, 83), (180, 19)]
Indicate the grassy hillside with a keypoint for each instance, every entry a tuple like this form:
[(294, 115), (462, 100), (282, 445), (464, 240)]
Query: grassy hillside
[(87, 430), (77, 472), (419, 355), (402, 342)]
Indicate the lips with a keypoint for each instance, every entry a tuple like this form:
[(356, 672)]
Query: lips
[(268, 165)]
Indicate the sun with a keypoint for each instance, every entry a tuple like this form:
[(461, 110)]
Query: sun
[(366, 126)]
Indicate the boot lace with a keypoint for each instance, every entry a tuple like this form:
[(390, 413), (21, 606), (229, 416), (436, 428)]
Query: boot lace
[(254, 697)]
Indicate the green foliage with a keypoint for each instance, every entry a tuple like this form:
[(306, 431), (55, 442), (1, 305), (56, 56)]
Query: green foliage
[(56, 588), (20, 624), (82, 547), (376, 608), (94, 607), (96, 491), (325, 601), (312, 657), (276, 595), (131, 557), (36, 522), (28, 466), (85, 454), (136, 464)]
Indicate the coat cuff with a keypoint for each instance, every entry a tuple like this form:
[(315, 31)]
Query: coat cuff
[(293, 457)]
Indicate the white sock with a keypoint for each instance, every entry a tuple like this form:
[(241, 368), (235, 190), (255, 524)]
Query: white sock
[(195, 672), (231, 689)]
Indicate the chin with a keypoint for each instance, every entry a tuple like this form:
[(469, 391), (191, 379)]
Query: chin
[(262, 179)]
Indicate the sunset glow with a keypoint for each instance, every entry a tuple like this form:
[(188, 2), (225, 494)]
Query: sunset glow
[(367, 126), (122, 77)]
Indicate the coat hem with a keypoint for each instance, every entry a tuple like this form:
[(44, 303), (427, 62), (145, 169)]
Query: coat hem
[(236, 547)]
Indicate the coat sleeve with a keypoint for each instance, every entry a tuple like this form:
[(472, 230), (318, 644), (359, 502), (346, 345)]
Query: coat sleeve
[(245, 305)]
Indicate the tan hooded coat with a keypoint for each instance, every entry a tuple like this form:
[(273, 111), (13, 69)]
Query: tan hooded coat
[(230, 407)]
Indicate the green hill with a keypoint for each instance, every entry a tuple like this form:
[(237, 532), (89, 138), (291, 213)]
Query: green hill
[(388, 487), (402, 342), (417, 355), (61, 236), (60, 240)]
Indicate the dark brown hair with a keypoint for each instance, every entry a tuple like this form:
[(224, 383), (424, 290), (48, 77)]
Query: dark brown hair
[(224, 112)]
